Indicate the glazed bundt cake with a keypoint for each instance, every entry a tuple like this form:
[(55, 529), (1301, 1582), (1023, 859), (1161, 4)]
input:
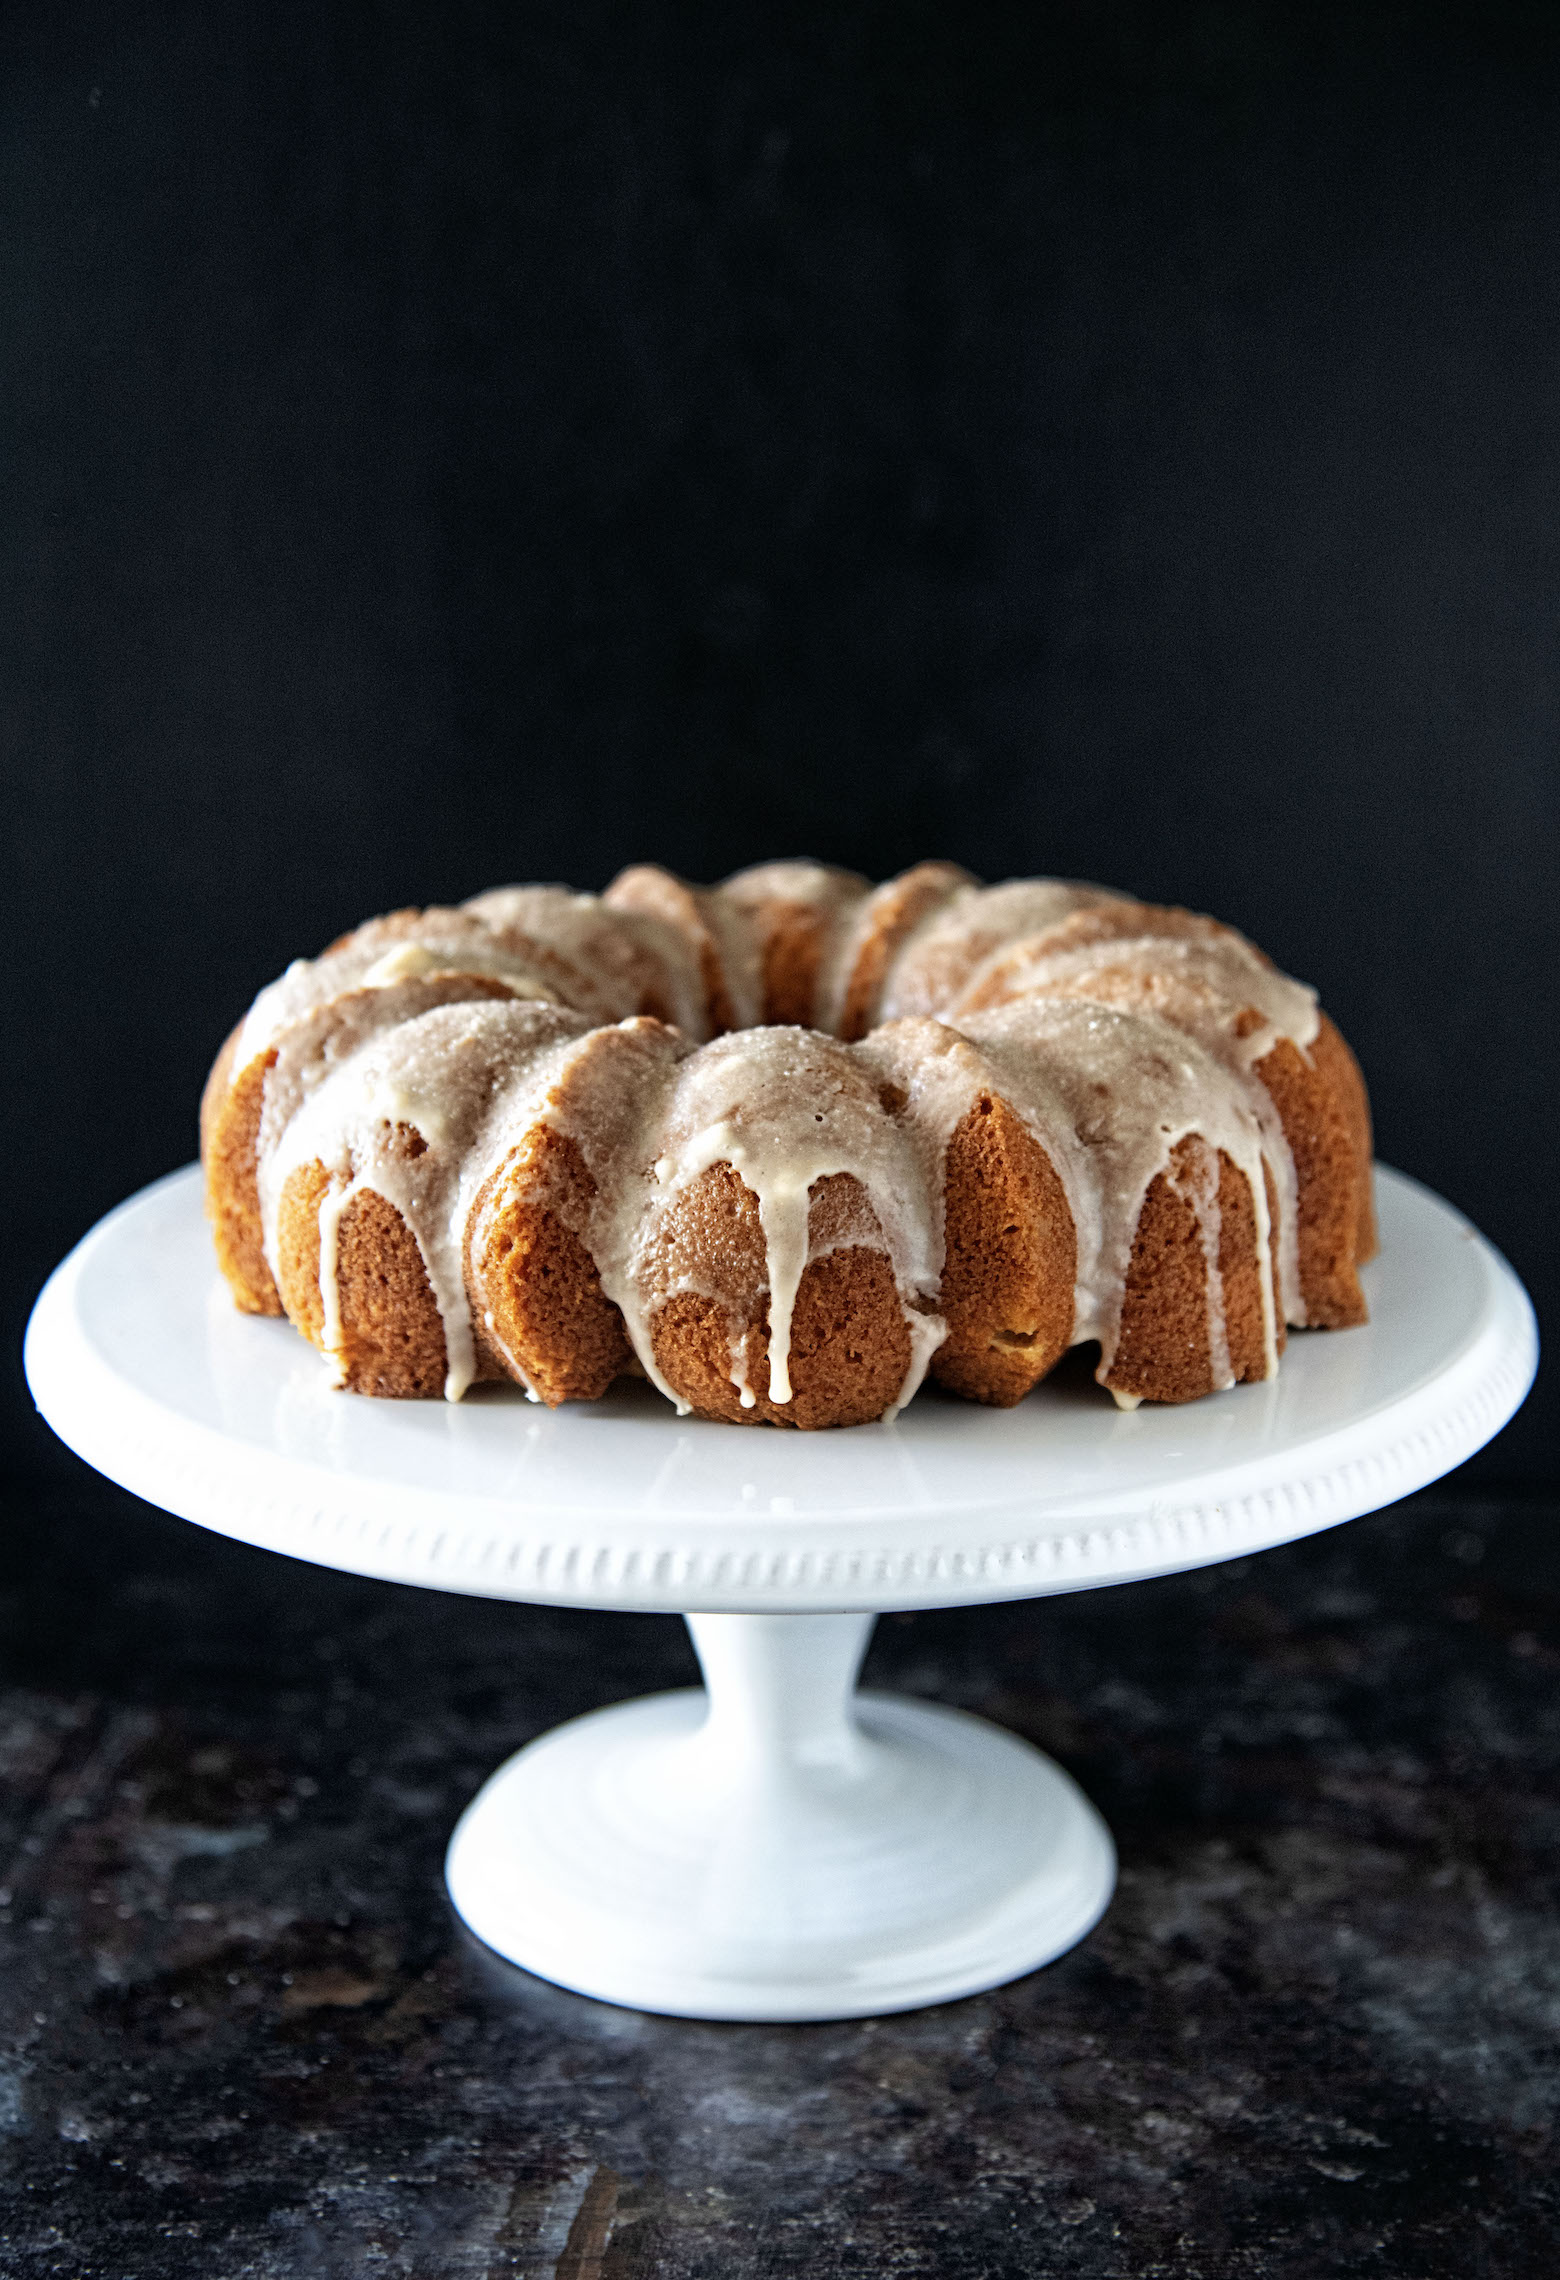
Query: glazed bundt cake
[(786, 1144)]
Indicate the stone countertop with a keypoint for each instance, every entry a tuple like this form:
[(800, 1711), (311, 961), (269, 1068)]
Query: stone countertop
[(1318, 2032)]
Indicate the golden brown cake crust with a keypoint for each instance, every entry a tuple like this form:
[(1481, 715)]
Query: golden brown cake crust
[(688, 1249), (1010, 1259), (1240, 1272), (1164, 1348), (645, 887), (1330, 1179), (897, 908), (298, 1250), (1316, 1090), (563, 977), (534, 1284), (231, 1108), (392, 1338), (1093, 927), (850, 1348), (1341, 1072), (230, 1112), (792, 948), (795, 925)]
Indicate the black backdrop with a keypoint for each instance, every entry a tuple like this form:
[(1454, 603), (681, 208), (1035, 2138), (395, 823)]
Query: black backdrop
[(446, 444)]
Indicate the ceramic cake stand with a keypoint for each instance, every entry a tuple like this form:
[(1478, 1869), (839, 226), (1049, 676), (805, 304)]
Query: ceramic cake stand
[(780, 1847)]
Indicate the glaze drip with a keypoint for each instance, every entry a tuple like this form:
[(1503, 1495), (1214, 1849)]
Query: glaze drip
[(417, 1057), (785, 1108), (416, 1115)]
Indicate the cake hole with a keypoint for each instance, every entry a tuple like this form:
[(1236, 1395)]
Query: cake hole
[(1015, 1338)]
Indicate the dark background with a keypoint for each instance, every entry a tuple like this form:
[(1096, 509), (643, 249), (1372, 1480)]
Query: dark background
[(451, 444)]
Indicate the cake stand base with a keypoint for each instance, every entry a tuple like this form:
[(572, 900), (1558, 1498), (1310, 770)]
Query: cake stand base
[(780, 1847)]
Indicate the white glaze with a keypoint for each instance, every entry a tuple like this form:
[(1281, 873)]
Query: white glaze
[(736, 947), (834, 900), (406, 947), (1109, 1096), (1205, 987), (610, 1097), (459, 1078), (1156, 971), (1112, 1051), (636, 955), (785, 1107), (856, 937), (936, 962), (1131, 1089)]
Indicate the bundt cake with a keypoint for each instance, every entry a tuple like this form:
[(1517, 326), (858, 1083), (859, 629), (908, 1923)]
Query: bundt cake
[(786, 1144)]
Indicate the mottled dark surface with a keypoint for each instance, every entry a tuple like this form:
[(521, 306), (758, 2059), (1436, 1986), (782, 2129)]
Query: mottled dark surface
[(1318, 2032)]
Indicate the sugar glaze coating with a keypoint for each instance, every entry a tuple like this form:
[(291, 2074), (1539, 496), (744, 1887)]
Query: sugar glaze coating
[(785, 1145)]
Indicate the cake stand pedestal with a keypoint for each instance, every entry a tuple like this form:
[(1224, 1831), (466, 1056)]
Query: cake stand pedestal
[(779, 1847)]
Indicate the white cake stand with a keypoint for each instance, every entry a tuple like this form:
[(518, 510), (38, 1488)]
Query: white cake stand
[(780, 1848)]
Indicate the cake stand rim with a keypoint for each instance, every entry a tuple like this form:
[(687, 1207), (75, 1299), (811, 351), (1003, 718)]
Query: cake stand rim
[(589, 1558)]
